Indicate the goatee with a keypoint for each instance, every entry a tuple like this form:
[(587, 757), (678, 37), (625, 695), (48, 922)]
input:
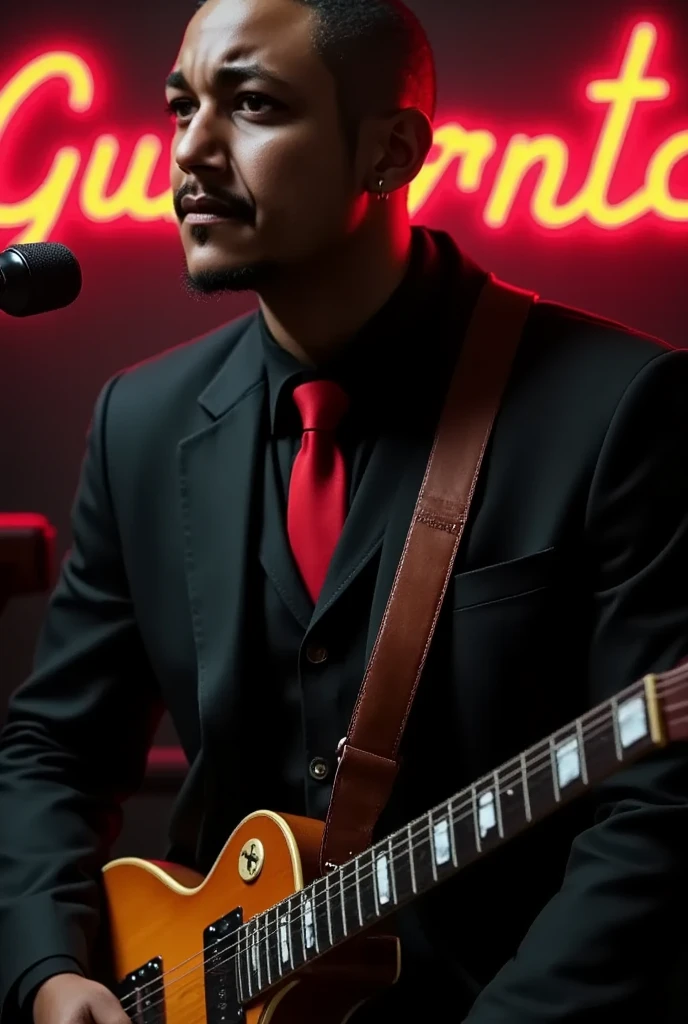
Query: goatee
[(249, 278), (246, 278)]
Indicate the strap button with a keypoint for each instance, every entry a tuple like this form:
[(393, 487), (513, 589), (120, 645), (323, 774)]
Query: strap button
[(317, 655), (319, 769)]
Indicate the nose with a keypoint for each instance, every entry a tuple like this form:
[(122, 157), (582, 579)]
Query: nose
[(201, 145)]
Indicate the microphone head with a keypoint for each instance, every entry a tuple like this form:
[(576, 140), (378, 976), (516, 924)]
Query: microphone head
[(37, 277)]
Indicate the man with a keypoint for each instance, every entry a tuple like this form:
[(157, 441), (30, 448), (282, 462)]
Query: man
[(299, 126)]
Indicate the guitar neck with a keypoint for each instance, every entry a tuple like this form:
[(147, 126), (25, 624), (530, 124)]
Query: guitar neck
[(458, 832)]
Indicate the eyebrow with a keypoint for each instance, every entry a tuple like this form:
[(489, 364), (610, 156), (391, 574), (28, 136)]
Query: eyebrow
[(227, 74)]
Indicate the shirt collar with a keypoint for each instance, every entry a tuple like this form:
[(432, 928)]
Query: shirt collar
[(379, 359)]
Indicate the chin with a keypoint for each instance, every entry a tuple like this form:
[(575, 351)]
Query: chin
[(213, 268), (244, 277)]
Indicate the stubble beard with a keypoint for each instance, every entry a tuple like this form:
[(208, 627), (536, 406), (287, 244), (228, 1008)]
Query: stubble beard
[(244, 278)]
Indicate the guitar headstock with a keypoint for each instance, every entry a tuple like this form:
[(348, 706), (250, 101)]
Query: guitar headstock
[(671, 691)]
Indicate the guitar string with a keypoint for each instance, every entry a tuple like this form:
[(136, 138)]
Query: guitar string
[(424, 832)]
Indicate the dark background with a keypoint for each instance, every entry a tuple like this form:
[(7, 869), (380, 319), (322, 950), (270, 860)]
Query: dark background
[(504, 66)]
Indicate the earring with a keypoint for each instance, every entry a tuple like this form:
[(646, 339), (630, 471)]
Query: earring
[(381, 194)]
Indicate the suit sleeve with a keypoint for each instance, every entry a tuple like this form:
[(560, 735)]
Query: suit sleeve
[(74, 745), (605, 948)]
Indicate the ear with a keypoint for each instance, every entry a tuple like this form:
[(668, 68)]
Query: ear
[(401, 147)]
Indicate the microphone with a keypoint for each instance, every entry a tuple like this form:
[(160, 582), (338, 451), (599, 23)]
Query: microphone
[(38, 277)]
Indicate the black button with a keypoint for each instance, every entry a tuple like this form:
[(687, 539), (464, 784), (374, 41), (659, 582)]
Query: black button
[(319, 769), (317, 655)]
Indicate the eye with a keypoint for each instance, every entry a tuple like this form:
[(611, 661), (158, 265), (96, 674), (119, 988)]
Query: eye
[(256, 103), (179, 109)]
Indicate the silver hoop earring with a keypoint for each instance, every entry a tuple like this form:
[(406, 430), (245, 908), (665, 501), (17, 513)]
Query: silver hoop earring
[(381, 194)]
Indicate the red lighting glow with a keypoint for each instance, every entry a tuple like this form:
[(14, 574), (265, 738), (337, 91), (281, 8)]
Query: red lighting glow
[(85, 174)]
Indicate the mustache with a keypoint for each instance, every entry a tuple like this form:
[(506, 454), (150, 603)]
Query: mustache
[(238, 206)]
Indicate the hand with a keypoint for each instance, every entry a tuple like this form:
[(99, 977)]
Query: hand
[(71, 999)]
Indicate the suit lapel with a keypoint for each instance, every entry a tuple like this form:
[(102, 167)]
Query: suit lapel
[(275, 552), (217, 470)]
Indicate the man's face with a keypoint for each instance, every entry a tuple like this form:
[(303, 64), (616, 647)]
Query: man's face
[(264, 137)]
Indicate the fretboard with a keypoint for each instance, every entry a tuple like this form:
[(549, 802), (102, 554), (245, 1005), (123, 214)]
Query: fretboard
[(449, 837)]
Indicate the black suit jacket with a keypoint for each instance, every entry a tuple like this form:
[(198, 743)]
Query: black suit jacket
[(571, 583)]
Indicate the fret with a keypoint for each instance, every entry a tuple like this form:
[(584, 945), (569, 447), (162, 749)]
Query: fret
[(476, 825), (553, 767), (358, 892), (350, 910), (432, 847), (336, 906), (367, 890), (498, 804), (514, 809), (581, 748), (298, 950), (615, 726), (329, 910), (286, 956), (392, 870), (414, 884), (452, 837), (526, 788), (308, 923), (423, 859), (322, 931)]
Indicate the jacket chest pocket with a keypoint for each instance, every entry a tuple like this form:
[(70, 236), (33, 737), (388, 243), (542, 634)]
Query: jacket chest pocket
[(504, 580)]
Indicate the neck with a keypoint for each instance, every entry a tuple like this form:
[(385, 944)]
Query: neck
[(313, 312)]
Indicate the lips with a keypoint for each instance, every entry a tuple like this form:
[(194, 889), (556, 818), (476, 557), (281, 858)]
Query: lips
[(204, 204)]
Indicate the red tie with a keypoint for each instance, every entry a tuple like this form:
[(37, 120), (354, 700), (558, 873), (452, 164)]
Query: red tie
[(317, 489)]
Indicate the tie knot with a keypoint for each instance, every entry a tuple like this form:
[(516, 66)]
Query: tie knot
[(322, 404)]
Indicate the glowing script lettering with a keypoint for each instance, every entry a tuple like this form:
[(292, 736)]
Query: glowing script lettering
[(471, 150)]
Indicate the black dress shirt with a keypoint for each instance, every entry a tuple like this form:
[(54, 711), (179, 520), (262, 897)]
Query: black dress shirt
[(377, 369)]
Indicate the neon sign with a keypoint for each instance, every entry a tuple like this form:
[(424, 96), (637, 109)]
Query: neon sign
[(470, 150)]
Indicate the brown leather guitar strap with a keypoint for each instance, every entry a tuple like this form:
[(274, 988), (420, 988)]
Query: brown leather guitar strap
[(369, 756)]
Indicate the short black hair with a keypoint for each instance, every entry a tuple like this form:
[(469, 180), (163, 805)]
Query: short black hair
[(379, 55)]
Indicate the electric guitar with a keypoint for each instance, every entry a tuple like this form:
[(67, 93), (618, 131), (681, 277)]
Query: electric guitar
[(263, 939)]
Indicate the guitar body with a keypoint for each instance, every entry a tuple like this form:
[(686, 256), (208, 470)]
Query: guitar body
[(161, 910)]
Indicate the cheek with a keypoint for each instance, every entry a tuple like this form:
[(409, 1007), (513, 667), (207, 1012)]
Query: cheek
[(293, 174)]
